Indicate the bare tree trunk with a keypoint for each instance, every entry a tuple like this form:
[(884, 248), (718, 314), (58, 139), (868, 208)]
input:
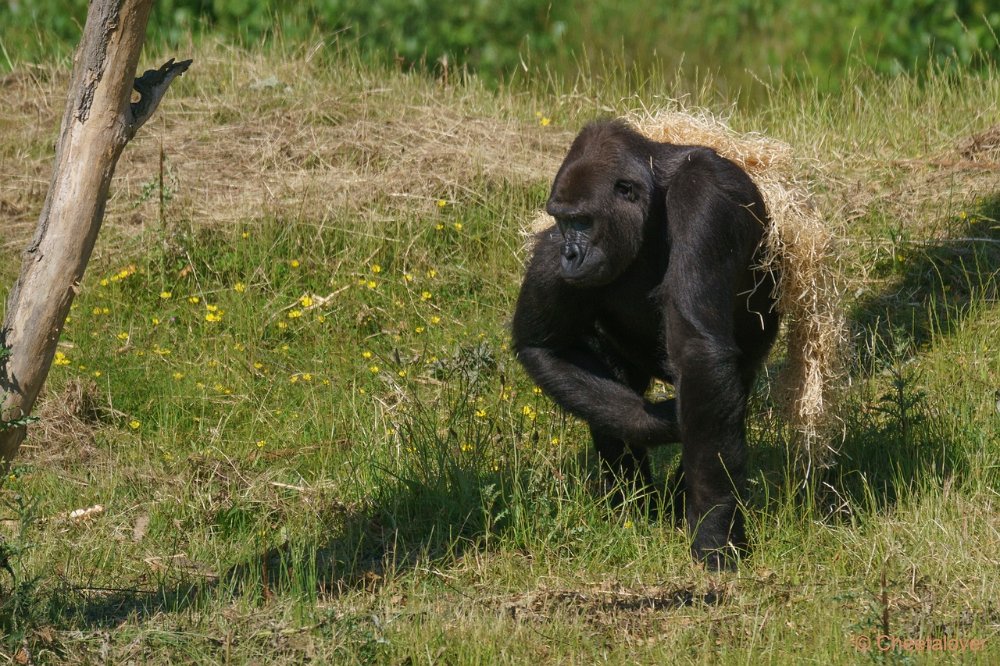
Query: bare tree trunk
[(99, 120)]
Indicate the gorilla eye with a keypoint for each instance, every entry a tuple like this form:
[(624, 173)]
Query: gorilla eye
[(625, 189)]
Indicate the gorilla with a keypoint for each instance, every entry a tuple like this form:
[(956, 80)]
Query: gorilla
[(653, 271)]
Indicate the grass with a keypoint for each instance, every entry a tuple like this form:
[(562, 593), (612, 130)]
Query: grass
[(288, 388)]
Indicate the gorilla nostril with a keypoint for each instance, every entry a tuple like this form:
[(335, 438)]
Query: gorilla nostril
[(571, 251)]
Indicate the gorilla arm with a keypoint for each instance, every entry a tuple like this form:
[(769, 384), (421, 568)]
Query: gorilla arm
[(714, 226), (552, 322)]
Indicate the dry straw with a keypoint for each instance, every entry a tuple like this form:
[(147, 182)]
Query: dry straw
[(800, 250)]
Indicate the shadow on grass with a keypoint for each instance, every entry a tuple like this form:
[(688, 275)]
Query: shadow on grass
[(933, 284), (895, 437)]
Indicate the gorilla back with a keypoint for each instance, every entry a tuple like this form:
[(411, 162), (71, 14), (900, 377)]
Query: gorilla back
[(650, 273)]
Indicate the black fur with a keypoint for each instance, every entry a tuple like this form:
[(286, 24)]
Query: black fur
[(651, 274)]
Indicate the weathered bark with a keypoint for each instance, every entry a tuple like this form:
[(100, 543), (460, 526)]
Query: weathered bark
[(99, 120)]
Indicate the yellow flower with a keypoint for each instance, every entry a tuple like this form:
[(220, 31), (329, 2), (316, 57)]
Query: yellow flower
[(371, 284), (439, 226), (257, 365), (306, 301), (435, 320), (294, 378), (104, 282), (544, 122), (307, 377), (122, 336), (239, 346), (554, 441), (294, 314), (105, 311), (425, 295), (458, 226), (194, 300), (294, 263), (97, 373), (134, 424), (529, 412), (213, 317), (321, 318), (407, 277), (442, 203), (178, 376), (402, 373), (282, 325), (366, 354), (419, 330), (628, 524), (480, 413), (466, 447), (962, 215), (261, 443), (165, 295), (156, 322), (373, 369), (376, 269), (536, 391), (245, 234), (432, 273), (239, 287), (61, 359)]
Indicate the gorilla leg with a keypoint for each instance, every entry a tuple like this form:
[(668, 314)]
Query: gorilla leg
[(676, 490), (625, 468), (713, 457)]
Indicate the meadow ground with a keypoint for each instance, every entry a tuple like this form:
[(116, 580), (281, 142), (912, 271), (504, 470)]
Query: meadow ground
[(286, 397)]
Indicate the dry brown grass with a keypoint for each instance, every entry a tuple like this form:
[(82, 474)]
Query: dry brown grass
[(249, 137)]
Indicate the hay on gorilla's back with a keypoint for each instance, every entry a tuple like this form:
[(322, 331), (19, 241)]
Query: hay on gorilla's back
[(800, 250)]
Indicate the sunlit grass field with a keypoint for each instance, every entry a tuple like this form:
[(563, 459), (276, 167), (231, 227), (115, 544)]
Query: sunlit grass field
[(284, 423)]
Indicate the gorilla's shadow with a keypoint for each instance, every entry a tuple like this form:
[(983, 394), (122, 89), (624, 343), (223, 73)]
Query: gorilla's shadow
[(892, 440), (407, 523)]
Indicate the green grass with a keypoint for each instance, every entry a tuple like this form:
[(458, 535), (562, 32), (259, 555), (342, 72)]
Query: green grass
[(347, 465)]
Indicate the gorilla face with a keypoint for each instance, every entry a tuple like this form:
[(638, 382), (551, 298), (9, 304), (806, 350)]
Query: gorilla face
[(600, 200)]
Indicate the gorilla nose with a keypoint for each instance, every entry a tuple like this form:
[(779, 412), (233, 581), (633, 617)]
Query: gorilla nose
[(572, 257)]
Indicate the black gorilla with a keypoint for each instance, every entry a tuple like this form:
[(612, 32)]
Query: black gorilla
[(652, 274)]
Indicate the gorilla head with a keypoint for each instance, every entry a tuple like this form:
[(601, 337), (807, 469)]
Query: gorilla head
[(601, 200)]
